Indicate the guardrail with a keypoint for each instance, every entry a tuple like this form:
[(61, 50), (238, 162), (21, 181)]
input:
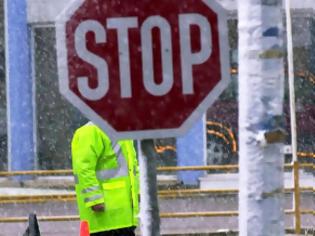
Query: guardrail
[(164, 168), (70, 197), (162, 215)]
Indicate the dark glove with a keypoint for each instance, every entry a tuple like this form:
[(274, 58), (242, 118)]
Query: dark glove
[(98, 207)]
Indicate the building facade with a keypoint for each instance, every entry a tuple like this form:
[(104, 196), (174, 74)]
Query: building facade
[(56, 118)]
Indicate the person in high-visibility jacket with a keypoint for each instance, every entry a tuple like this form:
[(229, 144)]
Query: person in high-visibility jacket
[(107, 181)]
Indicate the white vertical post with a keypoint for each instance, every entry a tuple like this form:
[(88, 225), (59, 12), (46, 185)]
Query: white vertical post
[(295, 170), (261, 88), (291, 79)]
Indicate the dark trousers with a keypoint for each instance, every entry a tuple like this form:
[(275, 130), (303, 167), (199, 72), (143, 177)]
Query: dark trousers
[(117, 232)]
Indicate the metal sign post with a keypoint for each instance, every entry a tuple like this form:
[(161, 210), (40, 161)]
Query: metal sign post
[(149, 215)]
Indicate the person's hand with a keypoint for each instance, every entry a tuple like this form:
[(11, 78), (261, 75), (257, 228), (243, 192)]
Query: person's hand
[(98, 207)]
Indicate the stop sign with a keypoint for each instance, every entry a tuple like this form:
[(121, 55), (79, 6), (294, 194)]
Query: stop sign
[(143, 68)]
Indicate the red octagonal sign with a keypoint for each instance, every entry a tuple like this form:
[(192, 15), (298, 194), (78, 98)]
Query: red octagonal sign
[(143, 68)]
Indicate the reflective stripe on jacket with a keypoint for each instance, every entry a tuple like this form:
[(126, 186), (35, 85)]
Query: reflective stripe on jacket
[(105, 172)]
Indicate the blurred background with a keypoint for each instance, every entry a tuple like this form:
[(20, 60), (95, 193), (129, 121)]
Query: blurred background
[(56, 119)]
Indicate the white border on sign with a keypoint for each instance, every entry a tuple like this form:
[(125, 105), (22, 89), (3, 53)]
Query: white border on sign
[(63, 73)]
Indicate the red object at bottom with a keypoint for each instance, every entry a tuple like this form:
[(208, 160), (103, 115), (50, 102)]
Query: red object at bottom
[(84, 228)]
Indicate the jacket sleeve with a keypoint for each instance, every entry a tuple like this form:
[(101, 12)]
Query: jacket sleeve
[(86, 148)]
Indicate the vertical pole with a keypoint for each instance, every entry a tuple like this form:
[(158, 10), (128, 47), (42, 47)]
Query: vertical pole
[(296, 198), (296, 195), (19, 87), (291, 81), (191, 151), (149, 215), (311, 48), (261, 89)]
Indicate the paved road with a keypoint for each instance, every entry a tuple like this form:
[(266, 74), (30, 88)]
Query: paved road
[(168, 226), (186, 225)]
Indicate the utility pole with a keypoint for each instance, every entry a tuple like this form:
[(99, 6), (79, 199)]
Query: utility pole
[(149, 207), (261, 137)]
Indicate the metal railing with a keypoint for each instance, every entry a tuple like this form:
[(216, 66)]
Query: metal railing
[(164, 168), (162, 215), (70, 197)]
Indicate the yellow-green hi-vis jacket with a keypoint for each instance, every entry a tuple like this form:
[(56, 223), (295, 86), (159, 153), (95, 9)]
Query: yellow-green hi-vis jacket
[(105, 172)]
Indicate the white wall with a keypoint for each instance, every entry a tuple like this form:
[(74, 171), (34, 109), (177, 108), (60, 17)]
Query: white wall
[(296, 4), (45, 11)]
